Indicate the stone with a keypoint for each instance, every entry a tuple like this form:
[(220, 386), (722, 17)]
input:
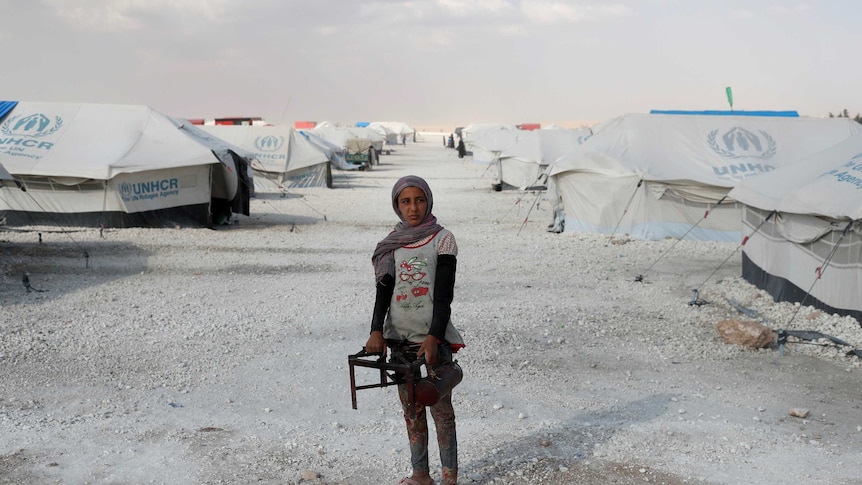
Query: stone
[(310, 475), (799, 413), (745, 333)]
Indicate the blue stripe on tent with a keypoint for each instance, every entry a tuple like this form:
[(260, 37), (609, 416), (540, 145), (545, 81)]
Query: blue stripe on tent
[(782, 114), (6, 107)]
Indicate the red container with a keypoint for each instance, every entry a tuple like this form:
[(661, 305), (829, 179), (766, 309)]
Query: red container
[(430, 389)]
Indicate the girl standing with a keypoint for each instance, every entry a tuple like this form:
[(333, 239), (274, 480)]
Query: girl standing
[(414, 266)]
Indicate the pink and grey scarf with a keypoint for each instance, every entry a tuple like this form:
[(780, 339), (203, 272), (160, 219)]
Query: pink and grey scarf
[(404, 234)]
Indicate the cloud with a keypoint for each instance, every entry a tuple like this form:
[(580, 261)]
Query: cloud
[(327, 30), (125, 15), (432, 40), (550, 12), (742, 14), (789, 10), (511, 30), (411, 11), (465, 8)]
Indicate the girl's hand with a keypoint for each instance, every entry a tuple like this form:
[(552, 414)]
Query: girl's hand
[(376, 344), (429, 350)]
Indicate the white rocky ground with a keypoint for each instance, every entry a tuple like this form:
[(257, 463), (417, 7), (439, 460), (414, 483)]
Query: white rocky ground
[(196, 356)]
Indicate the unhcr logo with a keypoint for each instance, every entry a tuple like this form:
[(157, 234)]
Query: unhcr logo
[(741, 143), (269, 143), (149, 190), (34, 125)]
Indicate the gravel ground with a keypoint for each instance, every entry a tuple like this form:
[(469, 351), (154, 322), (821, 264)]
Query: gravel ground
[(197, 356)]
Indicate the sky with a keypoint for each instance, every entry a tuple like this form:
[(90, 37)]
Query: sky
[(435, 62)]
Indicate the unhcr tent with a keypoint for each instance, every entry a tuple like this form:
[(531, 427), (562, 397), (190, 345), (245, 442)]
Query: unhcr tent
[(333, 152), (7, 182), (284, 158), (116, 165), (6, 178), (656, 175), (805, 227)]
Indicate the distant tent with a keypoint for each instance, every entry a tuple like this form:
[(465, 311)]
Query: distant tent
[(521, 157), (284, 158), (402, 130), (486, 140), (389, 136), (362, 124), (339, 134), (352, 140), (814, 238), (116, 165), (469, 131), (654, 176), (523, 163)]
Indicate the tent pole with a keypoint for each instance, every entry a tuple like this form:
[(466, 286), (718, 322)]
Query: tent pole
[(209, 217)]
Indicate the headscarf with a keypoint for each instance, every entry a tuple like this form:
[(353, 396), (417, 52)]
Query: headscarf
[(404, 234)]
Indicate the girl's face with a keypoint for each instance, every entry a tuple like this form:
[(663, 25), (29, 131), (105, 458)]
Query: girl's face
[(412, 205)]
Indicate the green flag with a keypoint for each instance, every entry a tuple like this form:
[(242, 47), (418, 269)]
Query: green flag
[(729, 96)]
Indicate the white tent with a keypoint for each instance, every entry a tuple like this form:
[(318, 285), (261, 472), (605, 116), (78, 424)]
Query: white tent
[(522, 157), (805, 227), (486, 143), (656, 175), (333, 152), (7, 181), (284, 157), (469, 131), (389, 136), (341, 134), (117, 165), (401, 130), (523, 163), (353, 141)]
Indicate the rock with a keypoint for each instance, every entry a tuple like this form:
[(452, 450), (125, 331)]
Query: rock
[(310, 475), (799, 412), (747, 334)]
